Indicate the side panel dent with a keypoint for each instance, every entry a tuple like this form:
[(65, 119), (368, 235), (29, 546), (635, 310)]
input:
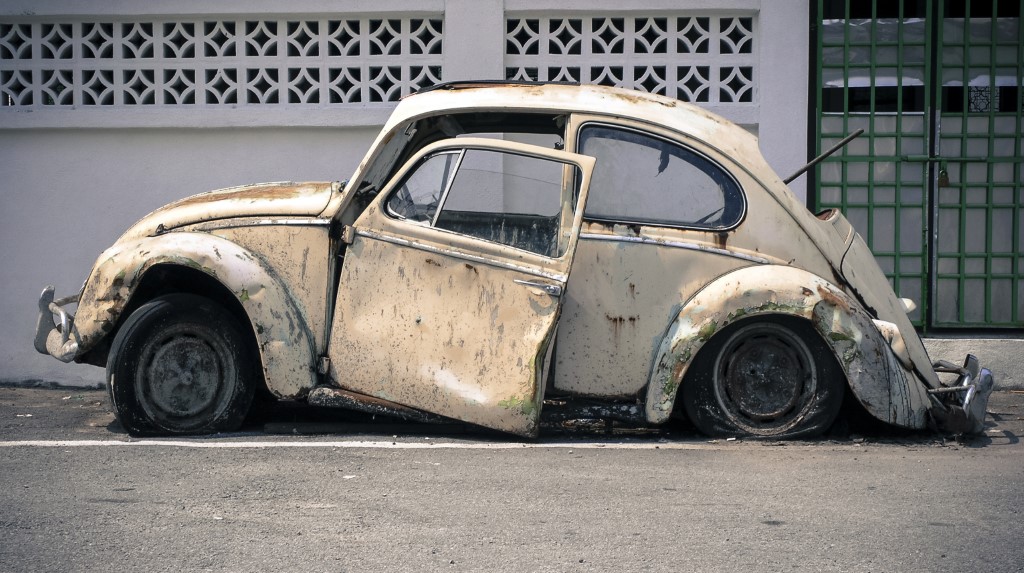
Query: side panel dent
[(885, 388)]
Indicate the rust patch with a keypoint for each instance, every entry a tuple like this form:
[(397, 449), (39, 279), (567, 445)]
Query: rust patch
[(620, 320), (677, 369), (643, 97), (722, 240), (254, 193), (594, 226), (472, 268), (432, 262), (331, 397), (838, 302)]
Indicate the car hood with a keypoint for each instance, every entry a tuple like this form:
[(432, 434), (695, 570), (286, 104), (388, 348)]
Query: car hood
[(260, 200)]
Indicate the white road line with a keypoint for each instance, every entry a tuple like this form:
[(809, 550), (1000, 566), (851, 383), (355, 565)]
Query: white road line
[(393, 445)]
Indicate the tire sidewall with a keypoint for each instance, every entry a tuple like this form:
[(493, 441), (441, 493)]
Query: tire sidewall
[(152, 319), (706, 412)]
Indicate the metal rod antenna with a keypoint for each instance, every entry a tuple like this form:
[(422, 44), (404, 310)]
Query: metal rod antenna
[(823, 156)]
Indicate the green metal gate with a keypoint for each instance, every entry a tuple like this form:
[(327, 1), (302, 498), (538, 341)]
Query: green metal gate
[(934, 184)]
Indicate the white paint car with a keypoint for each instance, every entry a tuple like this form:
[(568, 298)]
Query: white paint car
[(503, 252)]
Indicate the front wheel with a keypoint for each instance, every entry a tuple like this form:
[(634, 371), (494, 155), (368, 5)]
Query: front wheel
[(770, 378), (180, 364)]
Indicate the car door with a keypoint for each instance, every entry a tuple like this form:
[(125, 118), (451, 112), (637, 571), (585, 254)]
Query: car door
[(452, 283)]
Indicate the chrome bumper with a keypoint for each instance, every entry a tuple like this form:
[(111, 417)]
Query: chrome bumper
[(52, 338), (961, 406)]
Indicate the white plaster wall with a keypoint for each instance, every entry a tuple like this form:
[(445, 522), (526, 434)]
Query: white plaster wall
[(784, 73), (66, 195)]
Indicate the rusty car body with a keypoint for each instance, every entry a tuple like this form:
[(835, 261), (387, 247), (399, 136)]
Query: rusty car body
[(505, 251)]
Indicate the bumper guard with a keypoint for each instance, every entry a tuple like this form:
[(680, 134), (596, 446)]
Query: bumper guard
[(52, 338), (964, 402)]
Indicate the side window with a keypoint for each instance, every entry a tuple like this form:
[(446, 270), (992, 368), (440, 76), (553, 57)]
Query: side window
[(501, 197), (645, 179), (417, 198)]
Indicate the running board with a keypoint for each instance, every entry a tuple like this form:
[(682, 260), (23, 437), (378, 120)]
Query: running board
[(332, 397)]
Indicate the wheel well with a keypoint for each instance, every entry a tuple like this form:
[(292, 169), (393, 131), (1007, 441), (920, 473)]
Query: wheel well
[(167, 279), (798, 324)]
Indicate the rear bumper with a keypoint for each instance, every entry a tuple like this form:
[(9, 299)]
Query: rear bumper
[(960, 407), (57, 340)]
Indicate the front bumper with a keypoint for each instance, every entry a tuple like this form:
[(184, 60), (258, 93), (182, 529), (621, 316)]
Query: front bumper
[(57, 340), (960, 407)]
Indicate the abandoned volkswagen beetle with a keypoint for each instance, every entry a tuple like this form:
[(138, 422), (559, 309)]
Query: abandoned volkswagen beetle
[(508, 250)]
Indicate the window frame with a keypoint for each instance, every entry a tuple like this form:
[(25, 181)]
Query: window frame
[(690, 149), (459, 155), (460, 151)]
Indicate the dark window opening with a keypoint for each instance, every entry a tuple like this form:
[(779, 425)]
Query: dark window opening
[(1005, 9), (1009, 99), (886, 99), (952, 99), (979, 100), (861, 9)]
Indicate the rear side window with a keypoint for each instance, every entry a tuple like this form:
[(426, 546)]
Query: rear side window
[(644, 179)]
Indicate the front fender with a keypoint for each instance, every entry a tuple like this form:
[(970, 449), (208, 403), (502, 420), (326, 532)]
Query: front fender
[(887, 388), (284, 340)]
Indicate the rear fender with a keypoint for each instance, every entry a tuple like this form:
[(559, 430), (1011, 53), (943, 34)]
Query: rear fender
[(887, 389), (284, 340)]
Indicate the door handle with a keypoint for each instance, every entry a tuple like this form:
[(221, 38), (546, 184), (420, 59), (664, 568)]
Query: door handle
[(553, 290)]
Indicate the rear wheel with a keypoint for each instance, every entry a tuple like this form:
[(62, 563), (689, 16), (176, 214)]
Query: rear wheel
[(180, 364), (772, 378)]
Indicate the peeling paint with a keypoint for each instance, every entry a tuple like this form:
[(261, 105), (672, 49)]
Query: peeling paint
[(525, 406), (707, 331)]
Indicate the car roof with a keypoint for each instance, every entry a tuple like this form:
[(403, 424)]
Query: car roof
[(674, 114)]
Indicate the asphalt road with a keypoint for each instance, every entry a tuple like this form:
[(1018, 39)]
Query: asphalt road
[(78, 495)]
